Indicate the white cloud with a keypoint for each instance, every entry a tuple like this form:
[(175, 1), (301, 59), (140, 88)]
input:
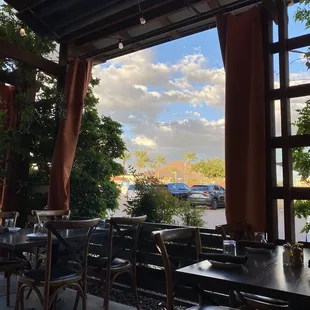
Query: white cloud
[(142, 140)]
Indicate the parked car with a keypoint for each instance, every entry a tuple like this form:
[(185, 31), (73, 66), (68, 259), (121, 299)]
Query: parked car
[(212, 195), (179, 190), (131, 192)]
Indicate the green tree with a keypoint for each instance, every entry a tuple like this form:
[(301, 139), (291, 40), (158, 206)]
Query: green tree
[(32, 144), (189, 157), (125, 157), (142, 159), (210, 168), (160, 160), (152, 165)]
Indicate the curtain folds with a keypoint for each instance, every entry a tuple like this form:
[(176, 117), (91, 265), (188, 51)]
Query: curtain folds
[(245, 151), (77, 81)]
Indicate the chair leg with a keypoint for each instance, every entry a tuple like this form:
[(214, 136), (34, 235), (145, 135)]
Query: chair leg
[(107, 290), (134, 287), (17, 301), (8, 288), (77, 299)]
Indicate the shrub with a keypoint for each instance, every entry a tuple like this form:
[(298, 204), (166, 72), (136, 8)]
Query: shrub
[(153, 200)]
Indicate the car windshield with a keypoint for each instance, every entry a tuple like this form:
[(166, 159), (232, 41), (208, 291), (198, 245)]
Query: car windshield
[(172, 186), (199, 188), (131, 187)]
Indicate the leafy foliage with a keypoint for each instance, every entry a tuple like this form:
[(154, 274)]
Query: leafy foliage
[(302, 210), (39, 104), (301, 155), (210, 168), (160, 206), (142, 159)]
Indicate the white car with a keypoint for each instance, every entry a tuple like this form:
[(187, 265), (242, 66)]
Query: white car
[(131, 193)]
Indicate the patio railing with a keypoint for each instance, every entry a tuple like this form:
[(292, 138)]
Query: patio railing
[(150, 272)]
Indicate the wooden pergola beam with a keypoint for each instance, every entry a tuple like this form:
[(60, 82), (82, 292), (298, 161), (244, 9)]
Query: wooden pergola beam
[(15, 52)]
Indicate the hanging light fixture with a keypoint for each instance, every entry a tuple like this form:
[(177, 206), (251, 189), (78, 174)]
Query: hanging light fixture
[(22, 31), (120, 44), (142, 19)]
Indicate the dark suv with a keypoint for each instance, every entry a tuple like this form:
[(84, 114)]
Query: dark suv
[(212, 195), (179, 190)]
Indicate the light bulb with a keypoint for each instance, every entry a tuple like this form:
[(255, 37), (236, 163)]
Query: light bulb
[(142, 20), (120, 45), (22, 32)]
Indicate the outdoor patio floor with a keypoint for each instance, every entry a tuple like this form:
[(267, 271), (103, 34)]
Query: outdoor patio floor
[(66, 302)]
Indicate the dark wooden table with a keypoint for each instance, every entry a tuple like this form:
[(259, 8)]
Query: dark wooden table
[(18, 241), (263, 274)]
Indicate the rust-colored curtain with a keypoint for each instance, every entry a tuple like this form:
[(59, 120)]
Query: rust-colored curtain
[(9, 186), (77, 81), (242, 50)]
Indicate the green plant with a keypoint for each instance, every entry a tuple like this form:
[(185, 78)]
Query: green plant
[(153, 200), (302, 210), (190, 216), (160, 206)]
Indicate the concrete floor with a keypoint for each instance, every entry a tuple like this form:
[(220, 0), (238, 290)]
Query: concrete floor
[(66, 300)]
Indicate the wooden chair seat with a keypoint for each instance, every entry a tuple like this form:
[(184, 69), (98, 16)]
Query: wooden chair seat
[(117, 265), (264, 300), (57, 274)]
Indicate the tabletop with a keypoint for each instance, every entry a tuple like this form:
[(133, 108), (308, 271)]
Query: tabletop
[(263, 274), (15, 241)]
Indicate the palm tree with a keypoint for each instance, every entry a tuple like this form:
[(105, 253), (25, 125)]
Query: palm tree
[(152, 165), (174, 172), (160, 160), (124, 158), (142, 159), (189, 157)]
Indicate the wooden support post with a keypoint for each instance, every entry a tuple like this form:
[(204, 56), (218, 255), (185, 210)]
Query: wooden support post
[(271, 205), (289, 219)]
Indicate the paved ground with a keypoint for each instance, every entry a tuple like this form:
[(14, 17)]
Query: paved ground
[(217, 217)]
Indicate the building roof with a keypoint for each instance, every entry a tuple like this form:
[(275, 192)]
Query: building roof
[(94, 27)]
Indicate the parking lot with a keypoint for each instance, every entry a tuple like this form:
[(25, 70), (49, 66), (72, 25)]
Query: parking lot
[(217, 217)]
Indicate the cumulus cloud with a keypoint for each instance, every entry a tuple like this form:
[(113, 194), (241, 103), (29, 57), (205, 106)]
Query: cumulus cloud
[(137, 90)]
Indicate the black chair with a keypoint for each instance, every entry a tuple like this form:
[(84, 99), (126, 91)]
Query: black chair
[(191, 254)]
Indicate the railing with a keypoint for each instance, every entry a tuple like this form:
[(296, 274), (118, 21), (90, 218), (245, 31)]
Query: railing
[(150, 272)]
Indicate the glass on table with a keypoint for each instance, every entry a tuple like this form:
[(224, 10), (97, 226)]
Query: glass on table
[(260, 237), (65, 217), (9, 223), (229, 247), (102, 224), (37, 228)]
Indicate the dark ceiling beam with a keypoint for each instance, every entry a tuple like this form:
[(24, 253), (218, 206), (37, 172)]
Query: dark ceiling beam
[(130, 49), (15, 52), (20, 5), (214, 4), (168, 29), (99, 10), (113, 21), (162, 10), (165, 21)]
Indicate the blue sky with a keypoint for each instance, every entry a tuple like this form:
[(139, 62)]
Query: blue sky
[(170, 98)]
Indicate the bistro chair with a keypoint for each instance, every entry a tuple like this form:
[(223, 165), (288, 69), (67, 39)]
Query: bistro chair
[(70, 270), (8, 264), (241, 231), (43, 216), (49, 215), (126, 230), (238, 231), (192, 251)]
